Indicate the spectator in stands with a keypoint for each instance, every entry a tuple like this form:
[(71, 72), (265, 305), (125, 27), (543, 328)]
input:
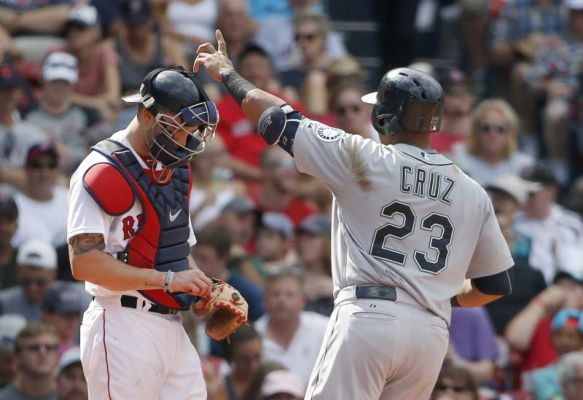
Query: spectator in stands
[(313, 249), (509, 193), (455, 384), (570, 375), (8, 225), (521, 28), (16, 136), (491, 147), (273, 245), (62, 306), (276, 34), (42, 203), (212, 255), (71, 383), (553, 230), (529, 332), (98, 86), (192, 22), (472, 343), (282, 385), (311, 32), (280, 178), (10, 326), (567, 337), (290, 335), (352, 115), (456, 121), (32, 27), (71, 127), (215, 185), (552, 78), (527, 282), (239, 134), (141, 47), (239, 28), (37, 269), (36, 349), (239, 218), (244, 354)]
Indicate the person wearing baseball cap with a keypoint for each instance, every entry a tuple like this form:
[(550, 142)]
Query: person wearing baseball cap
[(62, 305), (37, 269), (10, 326), (282, 385), (71, 383), (549, 226), (8, 226), (274, 240)]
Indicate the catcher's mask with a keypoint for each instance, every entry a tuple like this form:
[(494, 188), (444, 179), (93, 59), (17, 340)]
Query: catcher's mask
[(178, 104)]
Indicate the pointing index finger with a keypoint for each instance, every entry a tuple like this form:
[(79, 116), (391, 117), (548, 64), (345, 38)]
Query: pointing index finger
[(221, 45)]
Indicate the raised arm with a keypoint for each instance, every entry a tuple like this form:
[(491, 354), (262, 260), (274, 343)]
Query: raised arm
[(253, 101)]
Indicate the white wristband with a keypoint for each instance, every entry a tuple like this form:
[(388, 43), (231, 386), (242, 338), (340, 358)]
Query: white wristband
[(168, 280)]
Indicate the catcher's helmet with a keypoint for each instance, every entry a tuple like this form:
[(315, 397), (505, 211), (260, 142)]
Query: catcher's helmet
[(177, 101), (406, 100)]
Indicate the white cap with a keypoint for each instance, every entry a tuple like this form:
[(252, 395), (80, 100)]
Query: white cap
[(60, 66), (69, 357), (37, 253), (514, 186), (282, 381), (83, 14), (574, 4), (10, 327)]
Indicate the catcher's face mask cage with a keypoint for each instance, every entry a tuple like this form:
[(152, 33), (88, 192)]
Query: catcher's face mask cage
[(198, 122)]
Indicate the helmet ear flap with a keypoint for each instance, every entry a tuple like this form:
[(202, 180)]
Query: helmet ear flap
[(385, 124)]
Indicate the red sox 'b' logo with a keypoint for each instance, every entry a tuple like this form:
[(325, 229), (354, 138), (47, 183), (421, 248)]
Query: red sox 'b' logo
[(129, 226)]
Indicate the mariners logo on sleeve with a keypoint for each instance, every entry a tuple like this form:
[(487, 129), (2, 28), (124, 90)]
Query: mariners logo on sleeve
[(328, 134)]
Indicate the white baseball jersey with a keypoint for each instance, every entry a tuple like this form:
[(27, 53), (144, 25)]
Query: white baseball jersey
[(86, 216), (402, 216)]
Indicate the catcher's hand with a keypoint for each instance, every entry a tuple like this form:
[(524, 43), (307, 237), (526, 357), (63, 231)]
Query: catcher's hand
[(226, 308)]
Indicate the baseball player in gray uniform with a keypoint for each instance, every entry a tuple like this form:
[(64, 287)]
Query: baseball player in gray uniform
[(412, 235)]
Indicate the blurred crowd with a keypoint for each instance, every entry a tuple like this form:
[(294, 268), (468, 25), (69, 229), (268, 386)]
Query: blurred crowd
[(513, 120)]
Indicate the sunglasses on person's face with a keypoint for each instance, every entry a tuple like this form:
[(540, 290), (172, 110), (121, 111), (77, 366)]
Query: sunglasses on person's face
[(455, 388), (34, 281), (305, 36), (342, 110), (490, 128), (37, 347), (43, 165)]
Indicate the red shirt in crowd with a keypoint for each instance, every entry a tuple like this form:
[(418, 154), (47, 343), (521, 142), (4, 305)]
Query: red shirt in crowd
[(443, 141), (541, 352)]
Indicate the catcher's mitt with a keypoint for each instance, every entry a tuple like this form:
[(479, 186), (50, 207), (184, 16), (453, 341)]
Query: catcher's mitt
[(226, 308)]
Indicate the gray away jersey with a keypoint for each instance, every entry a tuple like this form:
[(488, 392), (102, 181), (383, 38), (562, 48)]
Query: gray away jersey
[(402, 216)]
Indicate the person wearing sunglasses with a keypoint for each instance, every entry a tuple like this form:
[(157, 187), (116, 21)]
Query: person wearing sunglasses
[(491, 148), (43, 201), (455, 384), (36, 347), (37, 269), (352, 115)]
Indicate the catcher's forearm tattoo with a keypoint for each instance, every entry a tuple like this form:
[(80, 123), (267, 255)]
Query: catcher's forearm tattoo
[(85, 242), (237, 85)]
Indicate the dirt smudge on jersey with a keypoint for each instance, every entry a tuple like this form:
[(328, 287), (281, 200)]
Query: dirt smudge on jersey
[(358, 168)]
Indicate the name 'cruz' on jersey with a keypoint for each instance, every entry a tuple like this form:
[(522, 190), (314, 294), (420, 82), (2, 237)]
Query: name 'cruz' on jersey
[(430, 184)]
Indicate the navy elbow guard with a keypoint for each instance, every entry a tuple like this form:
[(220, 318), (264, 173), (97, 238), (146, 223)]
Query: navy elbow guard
[(278, 125), (499, 284)]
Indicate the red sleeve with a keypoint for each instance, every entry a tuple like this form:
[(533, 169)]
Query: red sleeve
[(541, 352)]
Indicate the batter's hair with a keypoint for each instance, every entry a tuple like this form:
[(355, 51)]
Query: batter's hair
[(504, 108), (32, 330)]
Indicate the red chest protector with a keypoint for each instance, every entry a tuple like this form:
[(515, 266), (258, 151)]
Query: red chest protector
[(161, 239)]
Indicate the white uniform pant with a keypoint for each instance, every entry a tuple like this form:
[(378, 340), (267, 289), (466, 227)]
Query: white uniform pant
[(379, 349), (132, 354)]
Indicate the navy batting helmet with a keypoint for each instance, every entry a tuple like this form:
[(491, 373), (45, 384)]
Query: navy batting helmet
[(406, 100), (177, 101)]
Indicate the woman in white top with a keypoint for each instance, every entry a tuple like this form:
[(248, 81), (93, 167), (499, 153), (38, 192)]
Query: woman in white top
[(491, 147)]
